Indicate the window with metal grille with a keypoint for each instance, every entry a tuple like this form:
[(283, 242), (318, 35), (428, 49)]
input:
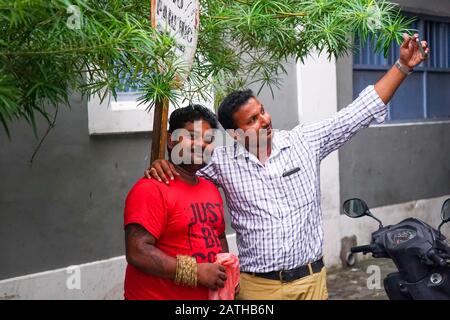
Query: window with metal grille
[(425, 94), (126, 96)]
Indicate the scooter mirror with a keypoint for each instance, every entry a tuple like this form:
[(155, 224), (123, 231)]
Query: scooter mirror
[(445, 212), (355, 208)]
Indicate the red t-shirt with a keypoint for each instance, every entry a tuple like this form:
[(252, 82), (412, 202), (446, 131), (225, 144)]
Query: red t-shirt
[(185, 219)]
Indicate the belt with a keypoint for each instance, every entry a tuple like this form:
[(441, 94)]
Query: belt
[(293, 274)]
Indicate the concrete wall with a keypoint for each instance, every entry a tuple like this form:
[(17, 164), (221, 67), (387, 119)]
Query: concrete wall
[(282, 106), (67, 208), (396, 164)]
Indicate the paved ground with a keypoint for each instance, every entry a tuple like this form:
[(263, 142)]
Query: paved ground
[(352, 283)]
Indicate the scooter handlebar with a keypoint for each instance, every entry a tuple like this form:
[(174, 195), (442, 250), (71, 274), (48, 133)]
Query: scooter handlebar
[(363, 249), (436, 258)]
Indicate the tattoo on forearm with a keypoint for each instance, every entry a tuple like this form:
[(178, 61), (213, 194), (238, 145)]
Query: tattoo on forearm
[(135, 230), (152, 260)]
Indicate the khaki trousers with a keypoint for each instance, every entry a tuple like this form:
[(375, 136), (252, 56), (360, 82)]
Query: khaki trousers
[(312, 287)]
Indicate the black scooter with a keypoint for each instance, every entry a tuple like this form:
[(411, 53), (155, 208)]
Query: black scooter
[(419, 251)]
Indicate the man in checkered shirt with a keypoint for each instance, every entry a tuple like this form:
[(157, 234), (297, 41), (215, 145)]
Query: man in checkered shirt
[(272, 185)]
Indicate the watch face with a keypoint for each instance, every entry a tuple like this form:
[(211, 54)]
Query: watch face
[(180, 18), (403, 68)]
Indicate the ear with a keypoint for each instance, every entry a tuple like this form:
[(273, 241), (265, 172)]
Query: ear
[(170, 143)]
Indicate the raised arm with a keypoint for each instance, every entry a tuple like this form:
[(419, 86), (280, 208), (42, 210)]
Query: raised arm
[(328, 135), (410, 56)]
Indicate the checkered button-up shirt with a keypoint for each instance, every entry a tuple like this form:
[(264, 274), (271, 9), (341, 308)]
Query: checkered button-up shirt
[(278, 220)]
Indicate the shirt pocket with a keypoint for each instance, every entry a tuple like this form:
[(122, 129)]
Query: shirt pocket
[(299, 189)]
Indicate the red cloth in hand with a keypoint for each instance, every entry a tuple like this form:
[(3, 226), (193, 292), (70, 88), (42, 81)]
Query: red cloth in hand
[(231, 263)]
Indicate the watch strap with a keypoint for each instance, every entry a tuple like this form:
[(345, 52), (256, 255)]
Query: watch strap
[(404, 69)]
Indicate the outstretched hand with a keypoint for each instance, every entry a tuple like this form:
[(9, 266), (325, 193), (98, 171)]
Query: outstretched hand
[(161, 170), (410, 53)]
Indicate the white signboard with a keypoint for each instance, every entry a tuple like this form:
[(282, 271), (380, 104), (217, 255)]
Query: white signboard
[(180, 18)]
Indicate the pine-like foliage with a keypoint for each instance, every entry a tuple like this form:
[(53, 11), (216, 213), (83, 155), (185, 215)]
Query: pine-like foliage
[(240, 42)]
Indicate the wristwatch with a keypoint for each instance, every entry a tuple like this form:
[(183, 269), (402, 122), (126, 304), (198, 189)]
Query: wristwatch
[(404, 69)]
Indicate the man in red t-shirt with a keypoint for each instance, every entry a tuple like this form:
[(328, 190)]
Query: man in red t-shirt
[(162, 222)]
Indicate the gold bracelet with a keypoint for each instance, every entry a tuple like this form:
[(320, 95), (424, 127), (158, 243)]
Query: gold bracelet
[(190, 272), (186, 271), (177, 272)]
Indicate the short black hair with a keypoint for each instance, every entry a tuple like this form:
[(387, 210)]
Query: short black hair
[(181, 116), (230, 105)]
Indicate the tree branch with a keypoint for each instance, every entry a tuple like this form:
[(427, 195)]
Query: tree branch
[(51, 125)]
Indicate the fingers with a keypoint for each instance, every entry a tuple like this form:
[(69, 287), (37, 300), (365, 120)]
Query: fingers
[(169, 169), (406, 40), (161, 170), (164, 170), (158, 173), (220, 283), (223, 276), (212, 275), (154, 174), (174, 171), (411, 47), (424, 49)]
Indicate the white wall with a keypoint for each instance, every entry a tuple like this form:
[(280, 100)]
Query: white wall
[(124, 115), (317, 100), (96, 280), (99, 280)]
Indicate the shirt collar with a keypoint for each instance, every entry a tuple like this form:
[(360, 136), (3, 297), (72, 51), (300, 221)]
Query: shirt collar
[(239, 149), (279, 142)]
